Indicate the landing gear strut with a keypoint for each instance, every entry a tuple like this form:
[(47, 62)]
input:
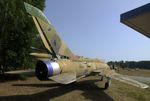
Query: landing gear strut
[(102, 78)]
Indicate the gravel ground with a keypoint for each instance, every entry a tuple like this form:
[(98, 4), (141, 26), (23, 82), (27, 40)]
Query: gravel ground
[(87, 89), (35, 90)]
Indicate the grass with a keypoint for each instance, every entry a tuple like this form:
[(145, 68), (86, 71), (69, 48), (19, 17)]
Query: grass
[(133, 72), (124, 92), (86, 89)]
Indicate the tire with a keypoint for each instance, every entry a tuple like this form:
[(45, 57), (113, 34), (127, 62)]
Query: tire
[(106, 85)]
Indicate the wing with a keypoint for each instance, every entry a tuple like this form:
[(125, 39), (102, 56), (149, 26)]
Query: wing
[(122, 78), (64, 78), (21, 72), (49, 36), (130, 81), (41, 56)]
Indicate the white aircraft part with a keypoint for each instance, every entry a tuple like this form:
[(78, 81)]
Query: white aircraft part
[(56, 68)]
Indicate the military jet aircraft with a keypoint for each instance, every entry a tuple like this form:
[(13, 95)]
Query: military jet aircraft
[(60, 64)]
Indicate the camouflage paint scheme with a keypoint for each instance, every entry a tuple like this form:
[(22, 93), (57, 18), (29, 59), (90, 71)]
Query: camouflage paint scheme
[(72, 67)]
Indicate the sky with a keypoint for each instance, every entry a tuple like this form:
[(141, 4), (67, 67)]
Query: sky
[(92, 28)]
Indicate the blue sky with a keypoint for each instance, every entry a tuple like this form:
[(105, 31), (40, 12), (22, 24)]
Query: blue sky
[(92, 28)]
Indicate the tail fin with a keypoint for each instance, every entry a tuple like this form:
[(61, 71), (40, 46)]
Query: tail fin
[(49, 36)]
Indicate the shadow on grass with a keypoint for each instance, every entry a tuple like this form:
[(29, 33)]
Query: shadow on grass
[(90, 92), (6, 77)]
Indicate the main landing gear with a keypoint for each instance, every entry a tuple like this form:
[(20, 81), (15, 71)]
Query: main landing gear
[(107, 83)]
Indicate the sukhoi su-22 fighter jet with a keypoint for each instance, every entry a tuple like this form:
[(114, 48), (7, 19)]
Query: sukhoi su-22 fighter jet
[(60, 64)]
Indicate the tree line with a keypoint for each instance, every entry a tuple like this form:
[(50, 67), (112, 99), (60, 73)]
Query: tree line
[(130, 64), (17, 34)]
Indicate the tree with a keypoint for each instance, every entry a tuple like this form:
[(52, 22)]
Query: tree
[(17, 32)]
